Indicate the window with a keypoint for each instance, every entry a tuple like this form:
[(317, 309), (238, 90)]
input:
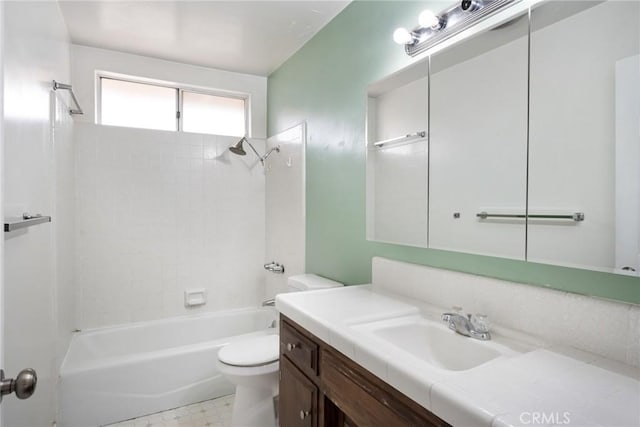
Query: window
[(138, 105), (204, 113), (154, 106)]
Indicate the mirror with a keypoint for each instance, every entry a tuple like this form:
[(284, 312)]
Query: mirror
[(479, 143), (534, 149), (584, 141), (397, 157)]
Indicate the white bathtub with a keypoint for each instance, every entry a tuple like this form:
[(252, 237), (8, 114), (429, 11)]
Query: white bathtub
[(117, 373)]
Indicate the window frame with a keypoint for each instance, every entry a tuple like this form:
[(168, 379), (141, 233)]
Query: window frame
[(179, 89)]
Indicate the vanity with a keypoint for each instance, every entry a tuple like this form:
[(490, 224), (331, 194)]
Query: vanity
[(380, 354), (319, 386)]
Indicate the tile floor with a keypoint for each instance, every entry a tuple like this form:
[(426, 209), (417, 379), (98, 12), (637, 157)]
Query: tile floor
[(210, 413)]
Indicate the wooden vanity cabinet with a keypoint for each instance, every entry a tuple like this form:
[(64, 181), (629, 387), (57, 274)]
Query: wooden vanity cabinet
[(321, 387), (298, 397)]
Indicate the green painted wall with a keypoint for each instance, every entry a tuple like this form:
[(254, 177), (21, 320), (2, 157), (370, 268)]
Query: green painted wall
[(324, 84)]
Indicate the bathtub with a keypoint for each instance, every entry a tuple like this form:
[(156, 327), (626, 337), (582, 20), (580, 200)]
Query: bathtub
[(117, 373)]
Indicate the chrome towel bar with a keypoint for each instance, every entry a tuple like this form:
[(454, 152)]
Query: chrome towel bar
[(408, 137), (26, 221), (577, 216), (63, 86)]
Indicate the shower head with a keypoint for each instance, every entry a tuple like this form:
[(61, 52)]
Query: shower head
[(238, 149)]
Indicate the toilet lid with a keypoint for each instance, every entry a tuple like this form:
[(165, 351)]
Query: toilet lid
[(251, 352)]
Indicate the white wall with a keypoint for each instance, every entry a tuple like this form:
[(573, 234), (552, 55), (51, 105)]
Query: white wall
[(86, 61), (285, 207), (160, 212), (38, 177)]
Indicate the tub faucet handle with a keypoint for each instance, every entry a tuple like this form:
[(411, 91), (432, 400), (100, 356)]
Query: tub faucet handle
[(274, 267)]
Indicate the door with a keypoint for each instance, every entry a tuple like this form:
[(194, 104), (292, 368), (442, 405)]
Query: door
[(1, 187), (30, 58)]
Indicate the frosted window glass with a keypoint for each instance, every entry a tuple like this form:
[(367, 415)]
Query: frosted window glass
[(138, 105), (218, 115)]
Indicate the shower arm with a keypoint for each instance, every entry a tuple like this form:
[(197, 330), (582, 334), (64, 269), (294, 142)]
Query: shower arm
[(254, 150), (267, 154)]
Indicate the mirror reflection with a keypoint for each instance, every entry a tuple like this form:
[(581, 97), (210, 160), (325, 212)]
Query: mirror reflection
[(534, 149), (479, 143), (397, 157), (584, 142)]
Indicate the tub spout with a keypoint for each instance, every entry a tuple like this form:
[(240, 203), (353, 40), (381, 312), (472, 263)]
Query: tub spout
[(269, 303)]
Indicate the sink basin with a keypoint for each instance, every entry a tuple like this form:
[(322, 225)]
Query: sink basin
[(435, 343)]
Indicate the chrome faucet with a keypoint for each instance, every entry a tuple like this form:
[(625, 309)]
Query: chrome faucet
[(271, 303), (274, 267), (469, 325)]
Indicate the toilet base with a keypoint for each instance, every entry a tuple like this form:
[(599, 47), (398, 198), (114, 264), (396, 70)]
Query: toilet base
[(253, 407)]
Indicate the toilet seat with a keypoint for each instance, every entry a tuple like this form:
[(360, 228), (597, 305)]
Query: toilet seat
[(252, 352)]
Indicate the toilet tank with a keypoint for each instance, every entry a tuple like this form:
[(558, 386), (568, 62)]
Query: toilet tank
[(308, 282)]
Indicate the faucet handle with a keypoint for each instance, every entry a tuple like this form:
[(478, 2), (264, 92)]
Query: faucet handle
[(480, 322), (455, 311)]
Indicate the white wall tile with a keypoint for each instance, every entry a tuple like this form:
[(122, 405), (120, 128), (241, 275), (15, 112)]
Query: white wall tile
[(167, 218), (285, 207)]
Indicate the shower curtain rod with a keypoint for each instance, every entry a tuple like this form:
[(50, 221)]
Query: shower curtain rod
[(78, 109)]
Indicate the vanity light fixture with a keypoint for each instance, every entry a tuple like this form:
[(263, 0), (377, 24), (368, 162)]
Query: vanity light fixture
[(428, 19), (434, 28), (403, 36)]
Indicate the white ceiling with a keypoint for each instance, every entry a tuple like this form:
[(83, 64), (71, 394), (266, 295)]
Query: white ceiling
[(253, 37)]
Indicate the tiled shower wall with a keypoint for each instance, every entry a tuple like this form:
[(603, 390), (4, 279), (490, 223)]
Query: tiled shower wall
[(161, 212)]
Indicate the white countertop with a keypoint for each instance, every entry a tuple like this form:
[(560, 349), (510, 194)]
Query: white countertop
[(544, 385)]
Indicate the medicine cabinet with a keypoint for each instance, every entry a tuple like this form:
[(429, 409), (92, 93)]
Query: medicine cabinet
[(520, 142)]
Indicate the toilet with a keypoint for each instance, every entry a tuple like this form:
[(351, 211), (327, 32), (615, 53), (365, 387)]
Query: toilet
[(252, 366)]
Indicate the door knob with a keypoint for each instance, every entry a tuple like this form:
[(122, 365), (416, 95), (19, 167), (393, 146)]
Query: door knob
[(24, 385)]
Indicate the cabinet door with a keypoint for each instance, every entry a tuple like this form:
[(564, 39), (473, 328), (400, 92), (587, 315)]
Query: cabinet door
[(365, 400), (298, 397)]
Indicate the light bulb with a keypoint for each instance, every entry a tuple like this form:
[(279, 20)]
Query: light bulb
[(428, 19), (402, 36)]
